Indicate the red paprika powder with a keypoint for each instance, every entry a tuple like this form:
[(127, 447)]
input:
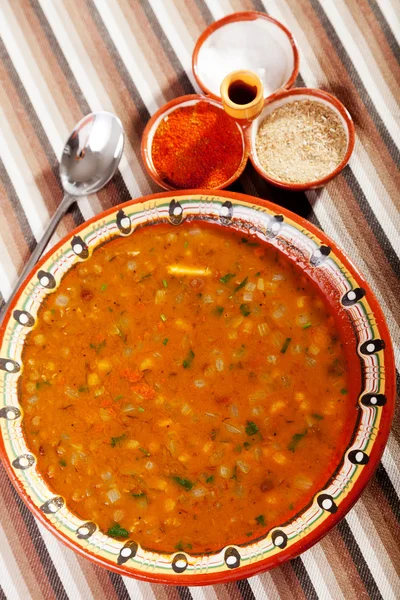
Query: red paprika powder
[(197, 146)]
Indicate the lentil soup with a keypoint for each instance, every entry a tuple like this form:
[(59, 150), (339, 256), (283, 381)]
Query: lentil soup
[(186, 387)]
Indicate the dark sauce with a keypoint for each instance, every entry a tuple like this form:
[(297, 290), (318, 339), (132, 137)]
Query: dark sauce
[(242, 93)]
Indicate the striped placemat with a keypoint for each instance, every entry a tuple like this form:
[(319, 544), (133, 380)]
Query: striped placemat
[(61, 59)]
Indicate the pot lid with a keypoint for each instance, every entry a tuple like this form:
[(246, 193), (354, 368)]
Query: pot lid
[(249, 41)]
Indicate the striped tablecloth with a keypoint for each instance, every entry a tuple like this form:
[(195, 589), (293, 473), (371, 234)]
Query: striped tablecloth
[(61, 59)]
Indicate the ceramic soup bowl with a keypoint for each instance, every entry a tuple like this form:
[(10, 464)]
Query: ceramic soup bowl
[(369, 354)]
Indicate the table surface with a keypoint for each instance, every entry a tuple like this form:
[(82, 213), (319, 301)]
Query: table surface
[(61, 59)]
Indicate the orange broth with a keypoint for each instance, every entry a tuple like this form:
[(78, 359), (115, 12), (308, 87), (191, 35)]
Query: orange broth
[(186, 387)]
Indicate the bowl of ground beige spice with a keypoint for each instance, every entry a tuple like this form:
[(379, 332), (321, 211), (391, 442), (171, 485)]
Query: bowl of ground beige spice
[(302, 139)]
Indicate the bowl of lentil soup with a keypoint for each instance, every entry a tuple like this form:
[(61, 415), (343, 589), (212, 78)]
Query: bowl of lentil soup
[(195, 387), (191, 142), (302, 139)]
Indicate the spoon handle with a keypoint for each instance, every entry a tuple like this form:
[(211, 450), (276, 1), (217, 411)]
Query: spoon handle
[(40, 246)]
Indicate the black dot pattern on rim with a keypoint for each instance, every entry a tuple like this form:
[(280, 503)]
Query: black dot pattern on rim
[(232, 558), (86, 530), (179, 563), (79, 247), (373, 400), (327, 503), (23, 462), (52, 506), (319, 256), (123, 222), (8, 365), (226, 212), (274, 226), (175, 212), (358, 457), (371, 346), (353, 296), (10, 413), (128, 551), (23, 318), (46, 280), (279, 538)]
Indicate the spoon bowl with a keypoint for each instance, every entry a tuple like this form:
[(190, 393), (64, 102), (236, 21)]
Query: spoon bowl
[(91, 154)]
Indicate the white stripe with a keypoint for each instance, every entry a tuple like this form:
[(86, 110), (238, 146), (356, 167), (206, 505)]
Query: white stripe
[(373, 83), (138, 590), (368, 550), (128, 52), (265, 588), (69, 578), (324, 581), (391, 16), (32, 80), (168, 20), (17, 590), (8, 272), (391, 462), (203, 593), (22, 179)]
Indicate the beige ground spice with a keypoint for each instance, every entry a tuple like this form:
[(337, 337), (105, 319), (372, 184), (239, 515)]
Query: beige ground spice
[(301, 141)]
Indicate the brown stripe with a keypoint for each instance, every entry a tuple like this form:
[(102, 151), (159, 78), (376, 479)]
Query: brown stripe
[(153, 51), (40, 568), (342, 86), (377, 42), (97, 579), (286, 583), (345, 571)]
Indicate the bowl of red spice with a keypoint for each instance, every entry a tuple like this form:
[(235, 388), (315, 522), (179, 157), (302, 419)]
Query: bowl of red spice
[(191, 142), (302, 139)]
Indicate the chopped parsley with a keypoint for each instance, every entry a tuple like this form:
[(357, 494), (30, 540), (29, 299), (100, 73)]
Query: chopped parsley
[(260, 520), (165, 341), (117, 531), (165, 283), (63, 463), (219, 310), (286, 345), (226, 278), (117, 398), (116, 441), (343, 391), (240, 286), (296, 439), (317, 416), (210, 479), (185, 483), (245, 310), (145, 452), (307, 325), (182, 547), (103, 287), (251, 428), (188, 360)]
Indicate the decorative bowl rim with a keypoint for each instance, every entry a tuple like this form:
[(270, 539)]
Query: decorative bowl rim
[(228, 573)]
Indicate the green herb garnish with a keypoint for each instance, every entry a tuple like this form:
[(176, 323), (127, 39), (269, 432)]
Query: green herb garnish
[(186, 244), (296, 439), (103, 287), (219, 310), (251, 428), (145, 452), (146, 276), (140, 495), (343, 391), (317, 416), (165, 341), (116, 441), (63, 463), (165, 283), (226, 278), (118, 398), (238, 449), (188, 360), (185, 483), (286, 345), (40, 384), (307, 325), (260, 520), (83, 388), (98, 347), (210, 479), (246, 445), (239, 287), (245, 310), (182, 547), (257, 274), (118, 531), (249, 533)]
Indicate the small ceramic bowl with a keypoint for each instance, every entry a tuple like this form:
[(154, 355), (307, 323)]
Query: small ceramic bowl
[(284, 97), (153, 124), (246, 41), (371, 389)]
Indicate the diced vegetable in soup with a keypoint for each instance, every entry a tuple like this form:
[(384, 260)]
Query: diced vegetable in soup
[(186, 387)]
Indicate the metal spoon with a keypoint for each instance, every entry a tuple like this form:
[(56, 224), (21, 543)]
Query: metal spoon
[(89, 160)]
